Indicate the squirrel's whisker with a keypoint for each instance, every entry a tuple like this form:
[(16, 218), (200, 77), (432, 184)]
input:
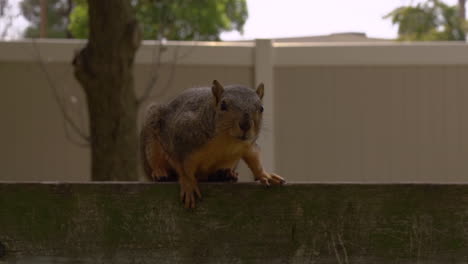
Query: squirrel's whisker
[(191, 132)]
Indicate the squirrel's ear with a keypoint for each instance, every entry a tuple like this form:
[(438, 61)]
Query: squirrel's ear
[(217, 90), (260, 90)]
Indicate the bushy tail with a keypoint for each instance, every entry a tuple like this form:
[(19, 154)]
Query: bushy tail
[(147, 139), (145, 143)]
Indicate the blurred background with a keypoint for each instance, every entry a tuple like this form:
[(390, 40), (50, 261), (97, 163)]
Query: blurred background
[(357, 91), (247, 19)]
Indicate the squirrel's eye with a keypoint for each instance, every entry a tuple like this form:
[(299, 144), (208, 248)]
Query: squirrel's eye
[(223, 106), (261, 109)]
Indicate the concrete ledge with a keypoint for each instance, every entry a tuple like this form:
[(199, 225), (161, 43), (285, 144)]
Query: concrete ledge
[(237, 223)]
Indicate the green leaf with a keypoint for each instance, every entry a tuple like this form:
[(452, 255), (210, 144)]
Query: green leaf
[(429, 21), (168, 19)]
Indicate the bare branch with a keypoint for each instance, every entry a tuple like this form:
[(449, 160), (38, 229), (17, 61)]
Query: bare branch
[(155, 76), (3, 6), (156, 64), (171, 76), (67, 118), (71, 139)]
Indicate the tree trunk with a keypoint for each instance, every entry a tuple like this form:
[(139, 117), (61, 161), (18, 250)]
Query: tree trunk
[(104, 69), (461, 9), (68, 11), (43, 23), (462, 16), (3, 5)]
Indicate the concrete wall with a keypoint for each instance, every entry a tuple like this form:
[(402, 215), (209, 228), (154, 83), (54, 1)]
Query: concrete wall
[(340, 112)]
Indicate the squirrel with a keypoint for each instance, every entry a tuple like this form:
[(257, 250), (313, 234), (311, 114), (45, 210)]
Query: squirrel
[(204, 132)]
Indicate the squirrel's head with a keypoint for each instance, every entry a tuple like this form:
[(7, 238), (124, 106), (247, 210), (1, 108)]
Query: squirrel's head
[(238, 110)]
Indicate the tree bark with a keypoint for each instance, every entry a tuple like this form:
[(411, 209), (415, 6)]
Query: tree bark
[(68, 11), (104, 70), (462, 16), (461, 9), (3, 5), (43, 23)]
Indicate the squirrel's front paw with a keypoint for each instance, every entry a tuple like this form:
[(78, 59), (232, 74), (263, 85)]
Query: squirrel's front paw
[(188, 191), (270, 178)]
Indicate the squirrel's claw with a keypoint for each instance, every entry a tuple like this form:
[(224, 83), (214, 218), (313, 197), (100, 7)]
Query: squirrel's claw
[(189, 200), (197, 191), (188, 193), (267, 179), (277, 179), (264, 181)]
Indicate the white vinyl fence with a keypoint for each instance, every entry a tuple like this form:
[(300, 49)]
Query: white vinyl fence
[(334, 112)]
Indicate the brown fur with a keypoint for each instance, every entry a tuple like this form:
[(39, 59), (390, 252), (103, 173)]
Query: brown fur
[(201, 133)]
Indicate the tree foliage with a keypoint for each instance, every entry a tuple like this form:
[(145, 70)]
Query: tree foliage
[(432, 20), (169, 19), (79, 20), (58, 12), (176, 19)]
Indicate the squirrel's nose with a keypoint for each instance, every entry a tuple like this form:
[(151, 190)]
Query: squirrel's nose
[(245, 123)]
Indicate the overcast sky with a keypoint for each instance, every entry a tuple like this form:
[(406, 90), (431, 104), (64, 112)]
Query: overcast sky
[(290, 18)]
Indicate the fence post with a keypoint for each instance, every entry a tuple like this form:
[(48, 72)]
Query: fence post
[(264, 73)]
